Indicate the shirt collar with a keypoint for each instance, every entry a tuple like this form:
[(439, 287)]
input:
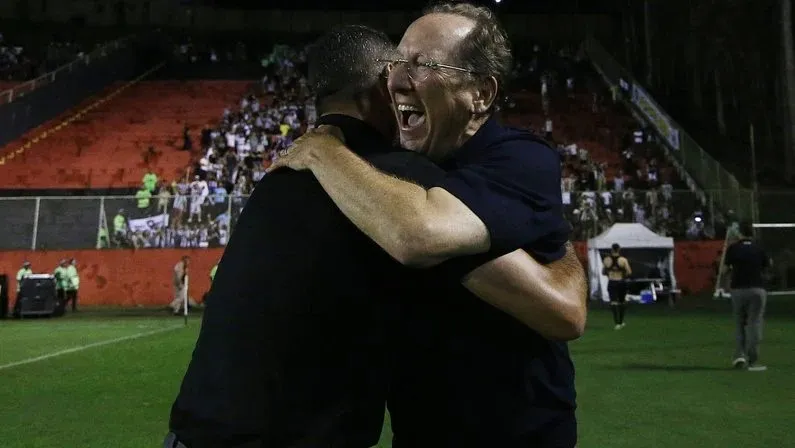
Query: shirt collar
[(482, 138), (360, 137)]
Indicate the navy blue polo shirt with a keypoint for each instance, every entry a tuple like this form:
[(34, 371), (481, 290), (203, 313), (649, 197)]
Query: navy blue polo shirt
[(511, 180), (469, 374)]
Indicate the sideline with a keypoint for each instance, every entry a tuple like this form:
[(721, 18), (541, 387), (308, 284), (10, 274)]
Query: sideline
[(87, 346)]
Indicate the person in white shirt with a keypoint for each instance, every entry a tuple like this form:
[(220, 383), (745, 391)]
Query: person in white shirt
[(618, 182), (198, 191), (651, 200), (667, 191), (230, 139), (583, 153)]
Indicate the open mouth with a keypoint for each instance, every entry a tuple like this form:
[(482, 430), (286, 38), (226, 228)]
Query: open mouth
[(411, 117)]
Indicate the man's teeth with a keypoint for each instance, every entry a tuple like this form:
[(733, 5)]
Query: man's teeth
[(408, 108)]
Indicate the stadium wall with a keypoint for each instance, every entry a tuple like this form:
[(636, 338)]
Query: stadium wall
[(143, 277), (121, 277)]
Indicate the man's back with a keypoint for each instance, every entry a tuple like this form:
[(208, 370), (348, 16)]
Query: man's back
[(283, 361), (748, 261)]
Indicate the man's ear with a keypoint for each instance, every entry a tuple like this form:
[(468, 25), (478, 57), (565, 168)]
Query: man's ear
[(486, 95)]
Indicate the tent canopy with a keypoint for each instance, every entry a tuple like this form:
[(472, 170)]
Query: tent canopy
[(631, 236), (648, 249)]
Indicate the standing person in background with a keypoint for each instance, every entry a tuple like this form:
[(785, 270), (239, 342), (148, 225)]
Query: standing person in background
[(120, 228), (150, 181), (73, 283), (22, 273), (212, 272), (181, 286), (61, 280), (747, 262), (212, 277), (616, 268)]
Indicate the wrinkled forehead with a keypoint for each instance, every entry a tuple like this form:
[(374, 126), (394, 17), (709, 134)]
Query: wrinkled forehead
[(435, 36)]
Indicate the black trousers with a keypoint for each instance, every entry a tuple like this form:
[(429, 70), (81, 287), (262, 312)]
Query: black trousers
[(71, 296), (617, 291)]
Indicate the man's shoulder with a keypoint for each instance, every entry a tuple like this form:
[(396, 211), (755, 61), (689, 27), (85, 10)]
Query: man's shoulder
[(408, 165), (517, 148)]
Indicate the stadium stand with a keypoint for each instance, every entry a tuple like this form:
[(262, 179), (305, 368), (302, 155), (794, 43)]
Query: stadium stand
[(614, 171), (108, 146)]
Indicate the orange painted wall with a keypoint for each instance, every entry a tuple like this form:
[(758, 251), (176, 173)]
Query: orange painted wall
[(121, 277), (143, 277)]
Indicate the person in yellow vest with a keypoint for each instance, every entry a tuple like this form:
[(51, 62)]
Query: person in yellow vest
[(73, 283), (22, 273), (61, 280), (150, 181), (617, 270), (143, 197), (212, 277)]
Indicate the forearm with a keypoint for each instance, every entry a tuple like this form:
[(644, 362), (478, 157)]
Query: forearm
[(549, 299), (394, 213)]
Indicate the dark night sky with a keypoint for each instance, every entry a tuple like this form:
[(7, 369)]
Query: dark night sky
[(539, 6)]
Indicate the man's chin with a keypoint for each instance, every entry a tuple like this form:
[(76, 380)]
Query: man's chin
[(414, 145)]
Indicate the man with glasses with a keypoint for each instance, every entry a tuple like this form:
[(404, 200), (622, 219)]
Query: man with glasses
[(469, 375), (295, 345)]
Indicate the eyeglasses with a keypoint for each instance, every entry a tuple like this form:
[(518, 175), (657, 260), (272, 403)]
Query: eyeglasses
[(419, 71)]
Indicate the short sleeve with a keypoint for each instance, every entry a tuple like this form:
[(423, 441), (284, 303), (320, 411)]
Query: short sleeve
[(515, 191)]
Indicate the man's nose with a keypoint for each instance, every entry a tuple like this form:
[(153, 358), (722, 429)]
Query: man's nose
[(398, 79)]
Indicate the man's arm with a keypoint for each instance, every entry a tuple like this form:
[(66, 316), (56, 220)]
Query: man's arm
[(550, 299), (415, 226), (626, 266)]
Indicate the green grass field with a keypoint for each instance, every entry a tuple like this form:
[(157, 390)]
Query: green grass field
[(663, 381)]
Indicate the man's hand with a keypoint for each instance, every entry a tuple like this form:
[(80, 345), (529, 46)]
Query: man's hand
[(302, 154)]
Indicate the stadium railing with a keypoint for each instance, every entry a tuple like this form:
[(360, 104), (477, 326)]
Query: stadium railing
[(24, 88), (87, 222), (728, 193)]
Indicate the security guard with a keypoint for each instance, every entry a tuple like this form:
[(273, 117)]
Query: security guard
[(73, 284), (212, 272), (617, 270), (23, 272), (61, 274)]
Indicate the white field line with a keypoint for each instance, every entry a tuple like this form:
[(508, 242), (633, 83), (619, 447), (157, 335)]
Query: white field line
[(80, 348)]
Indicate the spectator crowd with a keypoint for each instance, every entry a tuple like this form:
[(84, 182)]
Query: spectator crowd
[(200, 209)]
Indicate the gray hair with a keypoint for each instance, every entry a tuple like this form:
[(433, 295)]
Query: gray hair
[(487, 49)]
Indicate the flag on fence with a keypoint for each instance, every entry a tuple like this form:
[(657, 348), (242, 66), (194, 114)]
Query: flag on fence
[(150, 223)]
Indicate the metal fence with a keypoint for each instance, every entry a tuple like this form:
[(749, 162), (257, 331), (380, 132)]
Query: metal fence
[(727, 191), (50, 223), (25, 88)]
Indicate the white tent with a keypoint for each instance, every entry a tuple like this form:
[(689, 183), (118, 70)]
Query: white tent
[(643, 249)]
